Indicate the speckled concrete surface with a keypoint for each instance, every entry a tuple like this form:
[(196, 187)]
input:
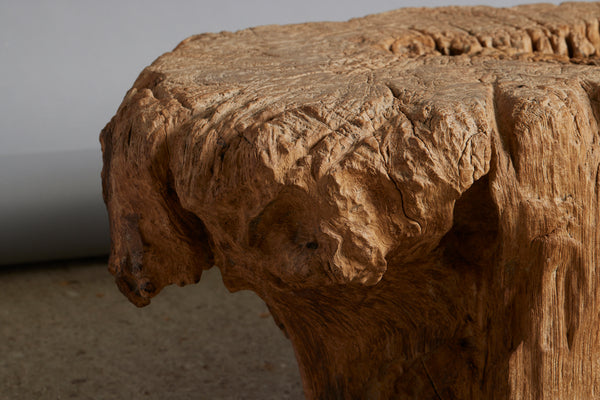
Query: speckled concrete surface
[(66, 332)]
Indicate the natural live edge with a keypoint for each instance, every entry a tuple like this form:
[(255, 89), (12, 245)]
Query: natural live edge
[(414, 194)]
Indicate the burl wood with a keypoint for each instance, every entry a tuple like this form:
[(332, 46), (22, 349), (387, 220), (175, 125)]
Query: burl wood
[(414, 194)]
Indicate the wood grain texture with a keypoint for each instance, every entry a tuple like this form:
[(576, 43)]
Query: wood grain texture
[(414, 194)]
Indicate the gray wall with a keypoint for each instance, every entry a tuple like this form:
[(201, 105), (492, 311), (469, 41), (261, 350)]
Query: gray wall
[(64, 67), (51, 206)]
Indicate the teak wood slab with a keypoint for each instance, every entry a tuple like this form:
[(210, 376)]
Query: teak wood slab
[(414, 194)]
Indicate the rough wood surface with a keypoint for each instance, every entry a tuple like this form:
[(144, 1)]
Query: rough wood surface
[(414, 194)]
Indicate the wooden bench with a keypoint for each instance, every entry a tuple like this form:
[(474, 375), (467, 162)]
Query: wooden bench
[(414, 194)]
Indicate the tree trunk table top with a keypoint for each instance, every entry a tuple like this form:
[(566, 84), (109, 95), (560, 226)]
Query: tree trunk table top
[(414, 194)]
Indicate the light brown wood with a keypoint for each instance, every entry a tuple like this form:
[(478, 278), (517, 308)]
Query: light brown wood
[(414, 194)]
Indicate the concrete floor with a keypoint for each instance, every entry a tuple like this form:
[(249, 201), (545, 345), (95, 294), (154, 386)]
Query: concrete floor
[(67, 333)]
